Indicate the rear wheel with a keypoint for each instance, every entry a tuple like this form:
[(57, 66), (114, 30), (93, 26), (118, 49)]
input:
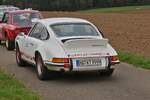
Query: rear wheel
[(42, 71), (19, 60), (9, 44), (107, 72)]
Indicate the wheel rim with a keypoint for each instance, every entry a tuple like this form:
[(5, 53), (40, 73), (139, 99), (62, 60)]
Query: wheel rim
[(39, 66)]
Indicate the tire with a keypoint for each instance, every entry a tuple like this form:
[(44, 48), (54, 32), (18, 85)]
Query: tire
[(41, 70), (107, 72), (19, 60), (0, 41), (10, 45)]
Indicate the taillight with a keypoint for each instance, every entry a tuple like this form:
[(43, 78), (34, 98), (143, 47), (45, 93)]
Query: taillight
[(60, 60), (114, 58), (65, 61), (67, 65)]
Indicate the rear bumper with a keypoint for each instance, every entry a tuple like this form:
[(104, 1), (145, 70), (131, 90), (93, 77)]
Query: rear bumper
[(60, 67), (55, 67), (115, 62)]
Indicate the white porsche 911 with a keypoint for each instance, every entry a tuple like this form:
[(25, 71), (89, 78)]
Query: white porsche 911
[(65, 44)]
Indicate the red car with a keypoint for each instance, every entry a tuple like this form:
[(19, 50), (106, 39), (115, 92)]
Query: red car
[(14, 22)]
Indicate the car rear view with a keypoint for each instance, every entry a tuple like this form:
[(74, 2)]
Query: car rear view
[(84, 46), (66, 45)]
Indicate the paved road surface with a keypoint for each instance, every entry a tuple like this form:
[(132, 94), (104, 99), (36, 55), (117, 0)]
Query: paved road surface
[(127, 83)]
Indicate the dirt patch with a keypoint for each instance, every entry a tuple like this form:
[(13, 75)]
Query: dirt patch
[(127, 32)]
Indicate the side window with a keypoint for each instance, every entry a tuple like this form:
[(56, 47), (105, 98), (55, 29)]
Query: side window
[(6, 18), (39, 32), (44, 34)]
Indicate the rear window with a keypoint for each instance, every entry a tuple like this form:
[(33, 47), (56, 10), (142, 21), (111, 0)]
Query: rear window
[(74, 29)]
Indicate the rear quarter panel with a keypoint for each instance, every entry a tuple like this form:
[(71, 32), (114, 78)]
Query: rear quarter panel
[(51, 48)]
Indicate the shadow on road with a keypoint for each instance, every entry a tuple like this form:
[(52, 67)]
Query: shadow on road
[(75, 77)]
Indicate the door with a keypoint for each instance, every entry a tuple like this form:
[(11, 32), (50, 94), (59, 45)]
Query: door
[(4, 23)]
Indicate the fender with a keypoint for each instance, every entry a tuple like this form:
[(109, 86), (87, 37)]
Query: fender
[(10, 34), (17, 41), (42, 53), (9, 31)]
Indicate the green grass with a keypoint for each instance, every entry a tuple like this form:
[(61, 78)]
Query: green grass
[(135, 60), (11, 89), (119, 9)]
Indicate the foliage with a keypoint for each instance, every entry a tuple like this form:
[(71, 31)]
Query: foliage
[(118, 9), (71, 5)]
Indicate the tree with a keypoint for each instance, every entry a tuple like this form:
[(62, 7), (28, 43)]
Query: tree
[(71, 5), (1, 2)]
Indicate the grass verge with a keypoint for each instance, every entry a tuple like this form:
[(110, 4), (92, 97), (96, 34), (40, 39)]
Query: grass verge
[(119, 9), (11, 89), (134, 59)]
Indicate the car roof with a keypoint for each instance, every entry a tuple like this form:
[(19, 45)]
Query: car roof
[(5, 8), (11, 7), (51, 21), (21, 11)]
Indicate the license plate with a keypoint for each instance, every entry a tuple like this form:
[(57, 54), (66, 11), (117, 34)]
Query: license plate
[(88, 62)]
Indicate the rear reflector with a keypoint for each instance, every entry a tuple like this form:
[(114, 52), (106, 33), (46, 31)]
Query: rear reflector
[(67, 65)]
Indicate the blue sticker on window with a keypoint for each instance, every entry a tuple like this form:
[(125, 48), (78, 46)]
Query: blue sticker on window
[(78, 63)]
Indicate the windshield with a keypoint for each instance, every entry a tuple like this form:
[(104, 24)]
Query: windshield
[(25, 19), (74, 29), (1, 14)]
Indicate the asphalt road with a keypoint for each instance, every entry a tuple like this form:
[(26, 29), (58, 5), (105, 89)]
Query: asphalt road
[(127, 83)]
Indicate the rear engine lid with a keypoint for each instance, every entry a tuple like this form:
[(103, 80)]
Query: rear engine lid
[(86, 47), (85, 43)]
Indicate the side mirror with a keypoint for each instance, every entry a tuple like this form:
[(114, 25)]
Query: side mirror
[(21, 34)]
